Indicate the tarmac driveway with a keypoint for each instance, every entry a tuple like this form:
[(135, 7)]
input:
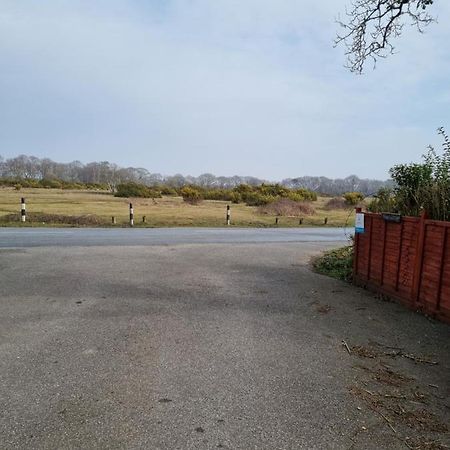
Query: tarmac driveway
[(205, 346)]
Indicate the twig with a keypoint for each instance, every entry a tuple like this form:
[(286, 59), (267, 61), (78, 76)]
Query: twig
[(347, 347), (387, 420)]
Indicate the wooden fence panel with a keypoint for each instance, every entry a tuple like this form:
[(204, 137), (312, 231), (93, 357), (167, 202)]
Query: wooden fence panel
[(409, 261)]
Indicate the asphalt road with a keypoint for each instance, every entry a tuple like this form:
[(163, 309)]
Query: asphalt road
[(205, 346), (39, 237)]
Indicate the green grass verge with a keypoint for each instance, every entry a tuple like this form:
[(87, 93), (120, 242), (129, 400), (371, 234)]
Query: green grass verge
[(336, 263)]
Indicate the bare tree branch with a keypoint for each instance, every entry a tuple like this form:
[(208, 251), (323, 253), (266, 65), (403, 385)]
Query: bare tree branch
[(372, 25)]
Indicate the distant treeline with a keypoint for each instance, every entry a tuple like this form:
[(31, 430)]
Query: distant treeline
[(30, 171)]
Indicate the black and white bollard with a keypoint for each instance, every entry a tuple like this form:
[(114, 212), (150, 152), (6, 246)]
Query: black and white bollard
[(113, 220), (144, 219), (131, 215), (300, 222), (325, 221), (228, 215), (276, 220), (23, 212)]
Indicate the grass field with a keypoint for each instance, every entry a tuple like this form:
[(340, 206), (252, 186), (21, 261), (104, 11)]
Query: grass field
[(162, 212)]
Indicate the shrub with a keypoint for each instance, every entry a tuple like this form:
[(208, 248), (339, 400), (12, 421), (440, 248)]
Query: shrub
[(287, 207), (306, 194), (167, 190), (336, 203), (191, 195), (425, 186), (353, 198), (383, 201), (257, 199), (132, 189), (51, 184)]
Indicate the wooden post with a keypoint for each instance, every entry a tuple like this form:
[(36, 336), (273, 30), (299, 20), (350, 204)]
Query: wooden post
[(131, 215), (418, 262), (23, 212)]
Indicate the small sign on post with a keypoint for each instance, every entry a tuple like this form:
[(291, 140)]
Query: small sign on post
[(359, 223)]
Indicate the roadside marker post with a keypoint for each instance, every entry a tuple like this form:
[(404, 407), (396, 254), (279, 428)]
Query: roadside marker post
[(23, 212), (113, 220), (131, 215), (276, 220), (300, 222), (228, 215), (144, 219), (325, 221)]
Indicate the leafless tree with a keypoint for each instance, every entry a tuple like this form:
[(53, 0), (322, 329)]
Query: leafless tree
[(371, 26)]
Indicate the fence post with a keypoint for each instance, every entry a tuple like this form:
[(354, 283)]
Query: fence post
[(131, 215), (418, 262), (356, 249), (228, 215), (23, 212)]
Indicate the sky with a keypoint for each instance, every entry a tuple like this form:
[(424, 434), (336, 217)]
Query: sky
[(248, 87)]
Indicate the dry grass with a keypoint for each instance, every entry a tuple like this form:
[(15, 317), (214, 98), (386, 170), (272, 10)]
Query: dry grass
[(167, 211), (288, 208)]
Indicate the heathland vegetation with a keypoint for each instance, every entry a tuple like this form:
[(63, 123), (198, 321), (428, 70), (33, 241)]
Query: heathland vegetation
[(29, 171)]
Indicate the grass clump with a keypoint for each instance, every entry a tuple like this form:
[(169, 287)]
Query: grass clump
[(336, 263)]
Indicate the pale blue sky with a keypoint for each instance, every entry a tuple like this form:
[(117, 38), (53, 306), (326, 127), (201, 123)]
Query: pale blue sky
[(248, 87)]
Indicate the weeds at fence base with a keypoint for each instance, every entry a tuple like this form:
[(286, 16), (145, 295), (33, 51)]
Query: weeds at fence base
[(336, 263)]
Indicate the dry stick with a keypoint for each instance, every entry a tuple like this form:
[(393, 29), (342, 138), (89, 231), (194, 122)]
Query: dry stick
[(385, 418), (347, 347)]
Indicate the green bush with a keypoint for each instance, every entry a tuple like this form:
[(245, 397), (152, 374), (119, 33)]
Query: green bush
[(191, 195), (306, 194), (132, 189), (383, 201), (353, 198), (425, 186), (167, 190), (51, 184)]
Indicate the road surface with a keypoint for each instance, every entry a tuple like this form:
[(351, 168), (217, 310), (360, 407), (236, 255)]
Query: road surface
[(38, 237), (187, 345)]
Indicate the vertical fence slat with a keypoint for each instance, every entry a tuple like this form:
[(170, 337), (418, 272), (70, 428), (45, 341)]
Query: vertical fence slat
[(441, 274), (384, 252), (369, 262), (400, 247), (418, 261)]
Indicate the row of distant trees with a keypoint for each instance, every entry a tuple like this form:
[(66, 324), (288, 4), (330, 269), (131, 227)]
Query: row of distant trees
[(105, 173)]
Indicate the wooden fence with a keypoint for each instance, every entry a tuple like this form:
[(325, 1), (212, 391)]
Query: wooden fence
[(408, 260)]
